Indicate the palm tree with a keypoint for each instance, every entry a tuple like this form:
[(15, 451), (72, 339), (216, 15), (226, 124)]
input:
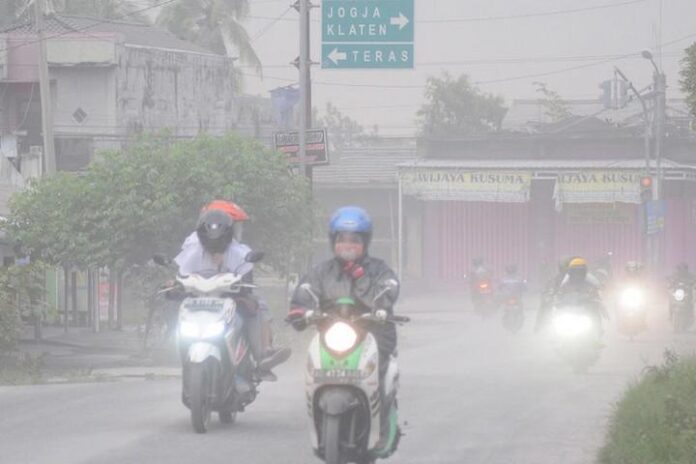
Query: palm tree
[(212, 24)]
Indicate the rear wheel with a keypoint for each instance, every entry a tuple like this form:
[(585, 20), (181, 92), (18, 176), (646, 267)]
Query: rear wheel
[(332, 440), (199, 391)]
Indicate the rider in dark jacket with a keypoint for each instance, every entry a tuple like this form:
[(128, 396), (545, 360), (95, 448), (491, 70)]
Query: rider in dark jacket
[(351, 272)]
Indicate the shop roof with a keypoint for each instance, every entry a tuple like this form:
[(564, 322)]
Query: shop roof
[(365, 166), (549, 169), (542, 164)]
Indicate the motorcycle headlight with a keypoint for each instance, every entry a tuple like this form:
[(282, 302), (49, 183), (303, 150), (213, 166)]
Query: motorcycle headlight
[(572, 325), (632, 298), (188, 329), (679, 294), (340, 337), (191, 329), (213, 330)]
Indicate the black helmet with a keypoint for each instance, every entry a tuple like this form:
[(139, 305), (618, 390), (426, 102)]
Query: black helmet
[(215, 231)]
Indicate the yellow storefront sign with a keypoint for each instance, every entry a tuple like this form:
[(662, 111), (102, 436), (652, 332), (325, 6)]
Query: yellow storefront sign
[(598, 187), (463, 185)]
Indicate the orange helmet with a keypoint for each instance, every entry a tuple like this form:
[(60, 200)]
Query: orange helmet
[(232, 209)]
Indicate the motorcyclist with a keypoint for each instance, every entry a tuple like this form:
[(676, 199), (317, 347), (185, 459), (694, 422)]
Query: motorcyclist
[(214, 248), (478, 275), (579, 281), (682, 274), (549, 293), (512, 285), (351, 272)]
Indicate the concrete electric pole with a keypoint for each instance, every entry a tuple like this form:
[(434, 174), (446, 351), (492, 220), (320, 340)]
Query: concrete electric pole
[(304, 65), (45, 89)]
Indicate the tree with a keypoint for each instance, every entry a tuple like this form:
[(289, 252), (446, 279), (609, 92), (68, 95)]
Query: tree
[(688, 78), (213, 24), (343, 130), (555, 108), (132, 203), (454, 107), (10, 10)]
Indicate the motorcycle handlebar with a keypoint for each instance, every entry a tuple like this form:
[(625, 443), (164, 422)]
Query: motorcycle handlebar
[(315, 318)]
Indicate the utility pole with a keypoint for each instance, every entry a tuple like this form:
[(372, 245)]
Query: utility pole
[(304, 65), (660, 116), (45, 89)]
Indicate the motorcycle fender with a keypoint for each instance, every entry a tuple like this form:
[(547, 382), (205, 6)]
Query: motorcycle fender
[(337, 401), (391, 378), (200, 351)]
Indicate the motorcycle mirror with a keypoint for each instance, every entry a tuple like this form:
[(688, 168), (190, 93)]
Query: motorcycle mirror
[(307, 288), (254, 256)]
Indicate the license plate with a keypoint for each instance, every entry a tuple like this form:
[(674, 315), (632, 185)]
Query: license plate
[(337, 375)]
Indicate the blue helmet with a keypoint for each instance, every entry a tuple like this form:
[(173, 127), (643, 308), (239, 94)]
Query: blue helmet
[(351, 219)]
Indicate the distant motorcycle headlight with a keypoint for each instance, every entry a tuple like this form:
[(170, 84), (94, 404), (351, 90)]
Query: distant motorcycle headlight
[(572, 325), (679, 294), (632, 298), (340, 337)]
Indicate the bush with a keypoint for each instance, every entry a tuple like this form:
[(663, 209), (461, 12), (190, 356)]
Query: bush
[(655, 421), (22, 295)]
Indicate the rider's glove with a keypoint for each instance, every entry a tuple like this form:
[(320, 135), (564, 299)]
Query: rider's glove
[(296, 317), (354, 270)]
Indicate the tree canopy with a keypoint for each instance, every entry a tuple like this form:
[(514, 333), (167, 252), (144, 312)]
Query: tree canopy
[(455, 107), (688, 77), (145, 199)]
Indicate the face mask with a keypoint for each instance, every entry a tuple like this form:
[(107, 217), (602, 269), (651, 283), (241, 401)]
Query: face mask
[(349, 251)]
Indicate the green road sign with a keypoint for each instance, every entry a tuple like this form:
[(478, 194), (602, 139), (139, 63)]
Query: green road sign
[(367, 21), (363, 56), (363, 34)]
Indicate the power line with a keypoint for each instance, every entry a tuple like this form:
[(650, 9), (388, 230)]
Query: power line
[(502, 17), (498, 61), (493, 81), (530, 15), (268, 27)]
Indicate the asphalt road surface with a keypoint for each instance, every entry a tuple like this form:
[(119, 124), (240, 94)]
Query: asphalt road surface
[(470, 393)]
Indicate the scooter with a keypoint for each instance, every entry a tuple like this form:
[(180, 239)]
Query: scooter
[(218, 370), (631, 310), (576, 324), (344, 401)]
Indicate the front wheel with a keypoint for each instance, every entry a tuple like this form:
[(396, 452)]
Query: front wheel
[(332, 440), (199, 391)]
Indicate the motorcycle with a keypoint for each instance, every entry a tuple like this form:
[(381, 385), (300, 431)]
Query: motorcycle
[(681, 306), (482, 296), (342, 382), (631, 310), (513, 314), (218, 371), (576, 324)]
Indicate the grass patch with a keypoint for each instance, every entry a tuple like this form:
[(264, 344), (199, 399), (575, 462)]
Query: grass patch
[(655, 421), (21, 369)]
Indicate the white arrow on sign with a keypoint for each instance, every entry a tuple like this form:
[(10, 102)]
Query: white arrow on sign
[(401, 21), (337, 56)]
